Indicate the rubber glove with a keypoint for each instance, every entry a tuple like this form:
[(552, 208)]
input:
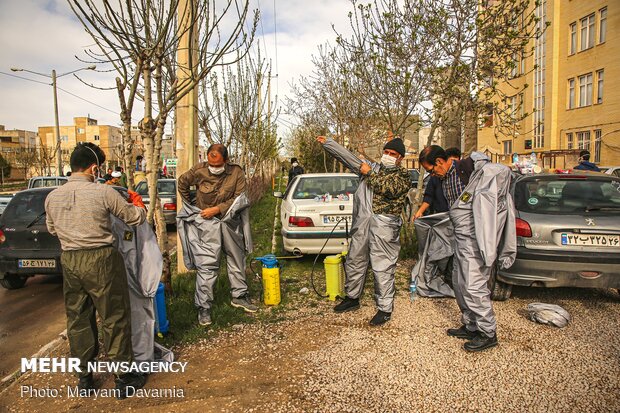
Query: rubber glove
[(136, 199)]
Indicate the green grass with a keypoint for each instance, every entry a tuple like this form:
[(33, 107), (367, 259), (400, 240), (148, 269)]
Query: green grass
[(294, 275)]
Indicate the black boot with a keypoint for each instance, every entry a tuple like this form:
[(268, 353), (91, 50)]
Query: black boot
[(380, 318), (134, 380), (480, 342), (462, 332), (348, 304)]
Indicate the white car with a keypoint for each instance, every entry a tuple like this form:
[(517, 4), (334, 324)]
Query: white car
[(317, 208), (611, 170)]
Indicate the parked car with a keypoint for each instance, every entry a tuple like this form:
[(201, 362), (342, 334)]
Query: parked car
[(314, 210), (4, 201), (46, 181), (167, 191), (568, 233), (26, 246), (611, 170)]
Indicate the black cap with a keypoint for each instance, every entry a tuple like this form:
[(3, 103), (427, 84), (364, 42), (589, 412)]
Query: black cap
[(585, 154), (293, 160), (397, 145)]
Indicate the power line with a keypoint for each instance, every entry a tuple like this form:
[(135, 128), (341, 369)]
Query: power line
[(86, 100), (64, 90), (25, 78)]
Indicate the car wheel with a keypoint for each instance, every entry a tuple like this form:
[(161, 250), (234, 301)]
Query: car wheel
[(13, 282), (500, 291)]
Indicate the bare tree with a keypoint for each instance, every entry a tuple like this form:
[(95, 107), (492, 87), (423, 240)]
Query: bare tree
[(140, 39), (233, 113)]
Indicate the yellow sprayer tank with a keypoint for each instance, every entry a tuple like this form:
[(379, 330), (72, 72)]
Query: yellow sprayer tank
[(271, 279), (334, 276)]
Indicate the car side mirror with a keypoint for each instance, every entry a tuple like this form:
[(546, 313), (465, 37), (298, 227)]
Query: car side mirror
[(278, 194)]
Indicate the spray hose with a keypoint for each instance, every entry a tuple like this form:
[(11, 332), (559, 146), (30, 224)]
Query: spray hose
[(321, 251)]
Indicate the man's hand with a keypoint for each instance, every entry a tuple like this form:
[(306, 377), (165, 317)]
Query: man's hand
[(135, 199), (321, 139), (365, 168), (209, 213), (418, 214)]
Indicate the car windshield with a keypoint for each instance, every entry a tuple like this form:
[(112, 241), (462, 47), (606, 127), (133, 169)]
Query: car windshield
[(44, 182), (163, 188), (310, 187), (568, 196), (25, 207)]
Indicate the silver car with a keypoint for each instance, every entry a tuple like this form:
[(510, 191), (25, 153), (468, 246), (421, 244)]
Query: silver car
[(167, 192), (568, 233)]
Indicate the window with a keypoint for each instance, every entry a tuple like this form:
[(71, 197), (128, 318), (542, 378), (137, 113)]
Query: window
[(569, 141), (599, 86), (602, 27), (573, 38), (512, 106), (587, 32), (96, 137), (521, 106), (585, 90), (514, 68), (80, 130), (64, 138), (507, 147), (583, 140), (488, 116), (571, 93), (597, 145)]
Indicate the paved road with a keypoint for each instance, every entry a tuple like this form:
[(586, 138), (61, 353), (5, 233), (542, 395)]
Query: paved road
[(30, 317)]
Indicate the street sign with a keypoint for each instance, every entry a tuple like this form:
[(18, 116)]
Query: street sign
[(171, 162)]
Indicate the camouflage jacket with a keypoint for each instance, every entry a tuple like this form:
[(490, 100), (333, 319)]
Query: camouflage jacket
[(390, 187)]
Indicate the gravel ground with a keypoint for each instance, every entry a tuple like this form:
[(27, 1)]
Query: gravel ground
[(412, 365), (317, 361)]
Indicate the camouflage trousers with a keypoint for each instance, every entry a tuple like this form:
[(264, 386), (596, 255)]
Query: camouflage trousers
[(95, 281)]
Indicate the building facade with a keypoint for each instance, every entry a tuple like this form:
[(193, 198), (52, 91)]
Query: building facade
[(84, 129), (19, 148), (571, 97)]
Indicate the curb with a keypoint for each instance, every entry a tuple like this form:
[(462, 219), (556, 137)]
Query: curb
[(46, 349)]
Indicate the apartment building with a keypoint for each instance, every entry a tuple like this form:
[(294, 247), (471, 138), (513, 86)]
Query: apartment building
[(84, 129), (572, 95)]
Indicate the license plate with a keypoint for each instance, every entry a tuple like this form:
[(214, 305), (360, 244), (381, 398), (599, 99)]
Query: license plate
[(36, 263), (332, 219), (593, 240)]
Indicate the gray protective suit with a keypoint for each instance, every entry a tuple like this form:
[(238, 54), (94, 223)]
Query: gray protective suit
[(374, 237), (435, 236), (143, 263), (483, 219), (203, 241)]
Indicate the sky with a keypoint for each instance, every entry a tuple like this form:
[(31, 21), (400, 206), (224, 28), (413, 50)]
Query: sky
[(43, 35)]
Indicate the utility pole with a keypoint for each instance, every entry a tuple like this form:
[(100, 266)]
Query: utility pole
[(57, 126), (186, 112), (56, 123)]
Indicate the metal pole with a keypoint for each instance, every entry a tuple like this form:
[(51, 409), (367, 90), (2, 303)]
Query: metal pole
[(57, 127)]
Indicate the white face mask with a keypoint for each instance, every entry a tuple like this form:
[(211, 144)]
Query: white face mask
[(216, 171), (295, 164), (388, 161)]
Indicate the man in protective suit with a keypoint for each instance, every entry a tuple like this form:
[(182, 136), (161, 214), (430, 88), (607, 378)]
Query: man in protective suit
[(218, 184), (94, 275), (375, 230), (483, 217)]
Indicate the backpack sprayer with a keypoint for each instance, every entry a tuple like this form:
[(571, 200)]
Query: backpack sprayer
[(334, 272)]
